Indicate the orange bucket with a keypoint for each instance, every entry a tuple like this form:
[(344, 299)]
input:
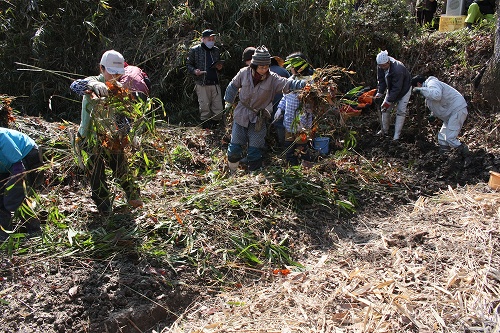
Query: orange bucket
[(494, 182)]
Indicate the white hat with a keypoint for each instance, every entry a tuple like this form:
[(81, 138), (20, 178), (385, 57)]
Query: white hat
[(113, 62), (382, 57)]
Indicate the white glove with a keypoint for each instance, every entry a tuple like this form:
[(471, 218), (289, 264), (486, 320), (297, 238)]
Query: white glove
[(378, 95), (277, 115), (100, 88), (417, 90)]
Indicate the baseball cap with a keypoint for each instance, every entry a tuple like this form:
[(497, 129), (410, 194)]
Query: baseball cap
[(113, 62), (208, 33)]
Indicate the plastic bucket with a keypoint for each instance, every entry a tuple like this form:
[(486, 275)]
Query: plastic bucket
[(494, 182), (322, 145)]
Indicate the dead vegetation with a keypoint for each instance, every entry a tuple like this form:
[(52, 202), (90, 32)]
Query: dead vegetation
[(430, 267)]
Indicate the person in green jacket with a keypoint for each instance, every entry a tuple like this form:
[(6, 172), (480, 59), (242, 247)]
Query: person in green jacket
[(104, 132), (480, 10)]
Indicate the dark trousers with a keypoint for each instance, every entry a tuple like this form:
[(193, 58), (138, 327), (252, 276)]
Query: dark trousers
[(13, 189), (118, 163)]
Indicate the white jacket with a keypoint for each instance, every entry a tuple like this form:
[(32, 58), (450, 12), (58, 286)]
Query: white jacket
[(442, 99)]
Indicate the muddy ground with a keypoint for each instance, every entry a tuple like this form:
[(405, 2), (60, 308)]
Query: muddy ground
[(126, 293)]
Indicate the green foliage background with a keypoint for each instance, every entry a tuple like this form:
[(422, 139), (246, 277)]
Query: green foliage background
[(68, 37)]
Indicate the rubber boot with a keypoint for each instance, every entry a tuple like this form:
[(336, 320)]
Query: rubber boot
[(254, 165), (398, 126), (385, 118), (32, 226), (291, 154), (6, 224), (233, 166), (443, 150), (463, 150)]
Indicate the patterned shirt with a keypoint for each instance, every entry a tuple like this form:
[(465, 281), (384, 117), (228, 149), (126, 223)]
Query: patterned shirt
[(294, 119)]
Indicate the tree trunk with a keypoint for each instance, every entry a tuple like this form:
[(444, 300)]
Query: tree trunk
[(490, 81)]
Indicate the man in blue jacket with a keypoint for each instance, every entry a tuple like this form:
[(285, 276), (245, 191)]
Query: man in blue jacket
[(19, 156), (394, 81)]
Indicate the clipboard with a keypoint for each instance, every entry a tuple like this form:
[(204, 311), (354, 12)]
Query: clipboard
[(215, 63)]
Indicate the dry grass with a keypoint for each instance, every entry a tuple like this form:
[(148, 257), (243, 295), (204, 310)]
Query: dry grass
[(433, 267)]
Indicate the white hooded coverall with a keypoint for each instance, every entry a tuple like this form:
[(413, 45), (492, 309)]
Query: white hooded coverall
[(447, 104)]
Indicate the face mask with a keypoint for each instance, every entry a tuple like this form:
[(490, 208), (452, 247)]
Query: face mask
[(209, 44)]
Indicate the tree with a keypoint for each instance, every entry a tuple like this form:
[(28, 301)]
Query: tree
[(490, 81)]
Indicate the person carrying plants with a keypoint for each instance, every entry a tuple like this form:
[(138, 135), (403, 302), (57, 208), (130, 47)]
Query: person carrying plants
[(480, 10), (256, 87), (393, 80), (203, 63), (20, 162), (106, 119), (447, 104), (297, 117)]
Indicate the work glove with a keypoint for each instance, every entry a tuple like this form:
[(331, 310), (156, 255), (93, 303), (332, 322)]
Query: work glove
[(227, 106), (386, 105), (99, 88), (417, 90), (378, 95), (278, 114)]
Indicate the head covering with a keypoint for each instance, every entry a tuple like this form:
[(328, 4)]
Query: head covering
[(418, 79), (261, 57), (113, 62), (277, 60), (208, 33), (248, 53), (299, 62), (382, 57)]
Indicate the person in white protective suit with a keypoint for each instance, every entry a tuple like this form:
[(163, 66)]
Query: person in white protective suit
[(393, 80), (447, 104)]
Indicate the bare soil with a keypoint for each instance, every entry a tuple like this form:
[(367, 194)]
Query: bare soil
[(125, 293)]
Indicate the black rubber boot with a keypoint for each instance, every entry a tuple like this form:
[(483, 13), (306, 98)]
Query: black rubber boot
[(6, 223), (254, 165), (32, 226), (463, 150), (291, 154), (443, 150)]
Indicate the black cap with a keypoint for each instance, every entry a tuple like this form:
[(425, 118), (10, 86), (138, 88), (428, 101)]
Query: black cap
[(248, 53), (207, 33), (417, 79)]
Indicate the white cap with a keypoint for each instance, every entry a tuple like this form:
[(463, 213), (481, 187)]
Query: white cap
[(382, 57), (113, 62)]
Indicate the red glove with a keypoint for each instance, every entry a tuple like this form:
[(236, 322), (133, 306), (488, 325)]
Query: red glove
[(386, 105)]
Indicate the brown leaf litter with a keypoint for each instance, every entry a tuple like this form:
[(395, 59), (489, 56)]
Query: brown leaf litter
[(432, 267)]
